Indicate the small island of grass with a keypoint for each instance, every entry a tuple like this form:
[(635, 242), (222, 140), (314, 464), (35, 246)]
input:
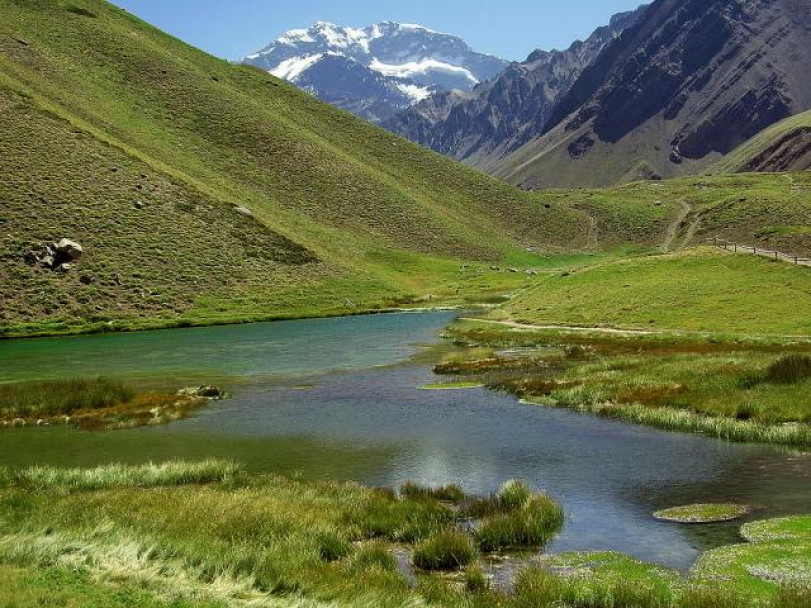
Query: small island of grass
[(95, 404), (452, 386), (702, 513)]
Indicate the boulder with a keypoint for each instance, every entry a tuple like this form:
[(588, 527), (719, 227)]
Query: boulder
[(244, 211), (68, 250)]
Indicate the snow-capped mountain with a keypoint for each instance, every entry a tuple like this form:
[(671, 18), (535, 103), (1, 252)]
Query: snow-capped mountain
[(375, 71)]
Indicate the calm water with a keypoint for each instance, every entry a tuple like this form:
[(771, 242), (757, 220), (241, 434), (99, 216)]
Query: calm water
[(340, 398)]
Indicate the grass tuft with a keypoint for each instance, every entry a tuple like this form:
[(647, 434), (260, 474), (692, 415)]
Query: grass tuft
[(450, 493), (446, 550), (374, 555), (532, 525)]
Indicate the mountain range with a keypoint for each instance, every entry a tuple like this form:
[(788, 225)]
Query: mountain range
[(375, 71), (499, 116), (665, 90), (687, 84)]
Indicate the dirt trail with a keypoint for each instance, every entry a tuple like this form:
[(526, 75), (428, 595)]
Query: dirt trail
[(673, 229), (603, 330)]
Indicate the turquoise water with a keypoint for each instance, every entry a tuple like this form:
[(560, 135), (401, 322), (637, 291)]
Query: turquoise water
[(340, 398)]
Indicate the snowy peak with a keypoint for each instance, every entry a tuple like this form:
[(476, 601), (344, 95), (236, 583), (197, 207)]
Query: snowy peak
[(408, 61)]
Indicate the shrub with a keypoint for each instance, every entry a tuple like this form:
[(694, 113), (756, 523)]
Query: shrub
[(451, 493), (789, 369), (446, 550), (531, 526)]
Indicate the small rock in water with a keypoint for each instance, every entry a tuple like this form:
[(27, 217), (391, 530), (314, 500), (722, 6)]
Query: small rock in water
[(209, 392)]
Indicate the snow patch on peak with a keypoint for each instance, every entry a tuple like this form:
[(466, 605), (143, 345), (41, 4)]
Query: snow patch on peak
[(295, 36), (421, 68), (414, 92), (291, 69)]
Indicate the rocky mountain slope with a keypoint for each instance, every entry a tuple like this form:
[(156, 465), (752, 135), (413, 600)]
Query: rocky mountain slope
[(376, 71), (691, 81), (785, 146), (500, 115)]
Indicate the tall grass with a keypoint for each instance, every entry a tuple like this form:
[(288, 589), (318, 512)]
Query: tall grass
[(789, 369), (450, 493), (35, 399), (446, 550), (530, 525), (120, 476)]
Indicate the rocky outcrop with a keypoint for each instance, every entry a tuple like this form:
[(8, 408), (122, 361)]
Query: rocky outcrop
[(56, 256), (791, 152)]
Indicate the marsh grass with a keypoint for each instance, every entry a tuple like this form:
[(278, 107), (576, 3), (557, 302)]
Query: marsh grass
[(375, 554), (475, 579), (532, 524), (174, 473), (445, 550), (207, 534), (450, 493), (671, 382), (789, 369), (61, 397)]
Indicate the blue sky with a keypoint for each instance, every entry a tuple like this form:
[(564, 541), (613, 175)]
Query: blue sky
[(509, 28)]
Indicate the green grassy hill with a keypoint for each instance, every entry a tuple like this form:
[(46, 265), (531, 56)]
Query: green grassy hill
[(142, 148), (785, 146), (204, 192), (698, 290)]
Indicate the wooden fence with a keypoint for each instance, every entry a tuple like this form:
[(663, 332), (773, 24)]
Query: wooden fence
[(761, 251)]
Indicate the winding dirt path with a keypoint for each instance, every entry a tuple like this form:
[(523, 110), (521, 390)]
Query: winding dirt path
[(673, 229)]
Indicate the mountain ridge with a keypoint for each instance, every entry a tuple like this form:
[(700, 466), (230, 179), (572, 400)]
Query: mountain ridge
[(386, 67), (685, 86)]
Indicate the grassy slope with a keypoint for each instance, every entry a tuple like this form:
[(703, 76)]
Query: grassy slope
[(99, 111), (700, 290), (760, 144)]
